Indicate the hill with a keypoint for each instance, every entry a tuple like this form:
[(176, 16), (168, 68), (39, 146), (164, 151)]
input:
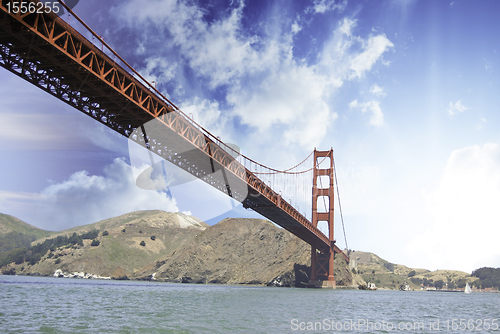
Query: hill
[(16, 235), (148, 219), (125, 244), (489, 278), (174, 247), (242, 251), (10, 224), (177, 248), (391, 276)]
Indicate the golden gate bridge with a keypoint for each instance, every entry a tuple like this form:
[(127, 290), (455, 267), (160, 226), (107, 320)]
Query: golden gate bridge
[(40, 47)]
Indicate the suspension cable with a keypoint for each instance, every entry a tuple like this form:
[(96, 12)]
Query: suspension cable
[(338, 196), (286, 170)]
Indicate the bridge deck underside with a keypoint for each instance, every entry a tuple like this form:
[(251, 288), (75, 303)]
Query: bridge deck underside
[(26, 51), (40, 59)]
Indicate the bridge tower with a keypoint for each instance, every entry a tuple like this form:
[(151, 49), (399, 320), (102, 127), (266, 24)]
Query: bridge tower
[(322, 261)]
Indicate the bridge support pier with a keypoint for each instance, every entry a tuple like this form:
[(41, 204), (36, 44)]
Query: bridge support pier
[(322, 261)]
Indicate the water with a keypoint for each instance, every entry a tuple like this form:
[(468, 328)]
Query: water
[(57, 305)]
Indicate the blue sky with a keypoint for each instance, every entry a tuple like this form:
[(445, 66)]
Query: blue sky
[(406, 92)]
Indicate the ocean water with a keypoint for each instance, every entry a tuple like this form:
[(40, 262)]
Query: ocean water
[(59, 305)]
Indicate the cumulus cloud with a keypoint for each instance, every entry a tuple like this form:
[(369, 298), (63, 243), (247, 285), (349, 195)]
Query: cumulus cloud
[(293, 95), (464, 233), (373, 49), (158, 69), (296, 95), (373, 107), (377, 90), (456, 108), (263, 84), (214, 50), (84, 199)]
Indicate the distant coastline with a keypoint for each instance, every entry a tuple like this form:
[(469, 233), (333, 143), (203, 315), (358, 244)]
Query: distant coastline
[(173, 247)]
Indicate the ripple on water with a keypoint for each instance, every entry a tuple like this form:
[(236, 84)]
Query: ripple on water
[(50, 305)]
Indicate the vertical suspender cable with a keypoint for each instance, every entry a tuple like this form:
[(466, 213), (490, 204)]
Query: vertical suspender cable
[(338, 196)]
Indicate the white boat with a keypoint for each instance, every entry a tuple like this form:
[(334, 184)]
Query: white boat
[(467, 288), (405, 286)]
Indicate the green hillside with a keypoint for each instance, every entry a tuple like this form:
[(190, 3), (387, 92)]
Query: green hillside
[(15, 235), (121, 246), (9, 224)]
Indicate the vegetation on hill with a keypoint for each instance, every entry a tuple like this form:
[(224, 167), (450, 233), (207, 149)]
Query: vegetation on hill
[(16, 235), (116, 251), (488, 278), (14, 240), (33, 254)]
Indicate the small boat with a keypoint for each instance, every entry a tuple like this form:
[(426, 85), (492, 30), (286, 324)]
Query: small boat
[(405, 286), (467, 288)]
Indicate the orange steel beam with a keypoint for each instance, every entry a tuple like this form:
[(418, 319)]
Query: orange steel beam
[(42, 49)]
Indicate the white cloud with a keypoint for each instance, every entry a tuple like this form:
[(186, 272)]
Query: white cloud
[(264, 85), (456, 108), (218, 50), (84, 199), (377, 90), (206, 113), (348, 57), (293, 95), (346, 26), (323, 6), (372, 51), (464, 233), (296, 27), (373, 107), (158, 69), (296, 95)]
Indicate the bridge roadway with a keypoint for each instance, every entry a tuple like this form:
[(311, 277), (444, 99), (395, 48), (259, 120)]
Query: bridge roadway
[(44, 50)]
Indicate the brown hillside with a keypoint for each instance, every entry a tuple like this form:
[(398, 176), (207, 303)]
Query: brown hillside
[(241, 251)]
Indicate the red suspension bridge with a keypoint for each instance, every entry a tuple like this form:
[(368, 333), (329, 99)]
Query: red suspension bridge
[(44, 50)]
